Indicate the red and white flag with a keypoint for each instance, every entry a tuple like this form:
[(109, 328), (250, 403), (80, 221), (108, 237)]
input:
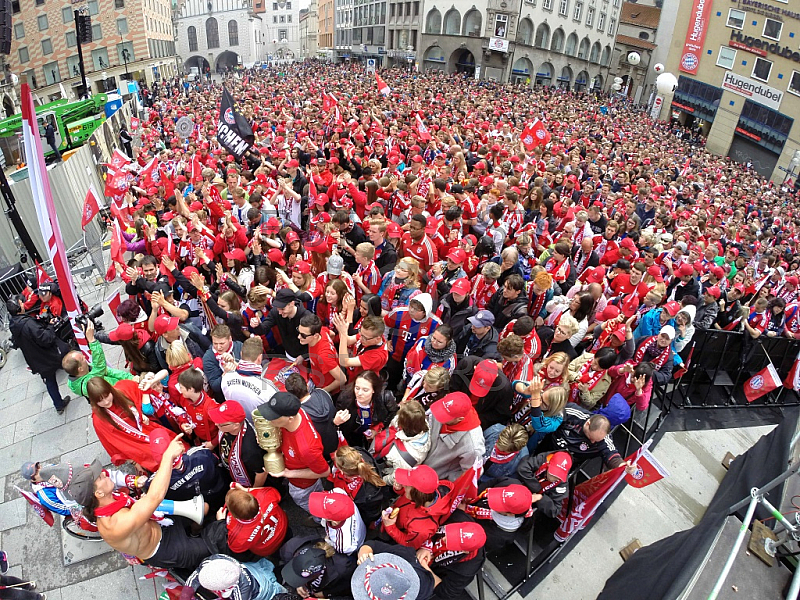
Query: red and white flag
[(762, 383), (134, 123), (540, 133), (422, 129), (117, 252), (328, 101), (113, 303), (528, 137), (119, 159), (117, 181), (382, 87), (197, 170), (41, 275), (586, 498), (91, 206), (46, 212), (686, 166), (146, 174), (792, 380), (648, 470), (46, 515)]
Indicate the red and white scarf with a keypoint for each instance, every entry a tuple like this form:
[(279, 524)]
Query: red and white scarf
[(351, 485), (125, 427), (586, 376), (559, 271), (651, 342), (235, 463)]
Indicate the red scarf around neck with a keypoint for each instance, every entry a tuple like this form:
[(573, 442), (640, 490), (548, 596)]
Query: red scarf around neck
[(470, 421)]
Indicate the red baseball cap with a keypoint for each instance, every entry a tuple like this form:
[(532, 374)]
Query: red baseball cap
[(235, 254), (431, 225), (319, 244), (165, 323), (655, 271), (331, 506), (628, 244), (739, 288), (276, 256), (123, 332), (717, 271), (457, 255), (685, 270), (292, 237), (793, 280), (229, 411), (714, 291), (302, 266), (597, 275), (559, 465), (454, 405), (483, 378), (609, 312), (159, 440), (464, 537), (461, 286), (514, 499), (189, 271), (271, 226), (421, 477), (672, 308), (292, 164), (393, 230)]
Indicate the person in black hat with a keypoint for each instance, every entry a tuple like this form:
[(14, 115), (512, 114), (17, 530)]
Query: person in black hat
[(301, 446), (313, 567), (41, 347), (285, 313)]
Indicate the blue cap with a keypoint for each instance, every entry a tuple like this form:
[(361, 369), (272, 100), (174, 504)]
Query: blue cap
[(483, 319)]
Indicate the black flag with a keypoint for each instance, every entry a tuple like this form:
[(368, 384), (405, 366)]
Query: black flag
[(233, 131)]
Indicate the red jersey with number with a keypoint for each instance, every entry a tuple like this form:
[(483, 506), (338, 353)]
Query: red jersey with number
[(264, 533), (423, 251)]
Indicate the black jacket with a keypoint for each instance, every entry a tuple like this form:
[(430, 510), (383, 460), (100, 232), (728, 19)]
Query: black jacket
[(553, 499), (388, 258), (690, 289), (494, 407), (41, 347), (506, 311), (454, 315), (485, 347), (384, 408)]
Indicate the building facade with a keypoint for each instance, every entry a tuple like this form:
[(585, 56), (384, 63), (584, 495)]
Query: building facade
[(326, 23), (738, 70), (217, 35), (638, 25), (565, 43), (282, 28), (343, 29), (130, 38), (309, 31)]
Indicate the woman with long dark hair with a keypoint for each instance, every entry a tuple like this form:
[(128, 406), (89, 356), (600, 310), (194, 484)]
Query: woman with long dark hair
[(120, 423), (370, 405)]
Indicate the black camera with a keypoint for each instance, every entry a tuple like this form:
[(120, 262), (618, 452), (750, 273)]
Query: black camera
[(92, 315)]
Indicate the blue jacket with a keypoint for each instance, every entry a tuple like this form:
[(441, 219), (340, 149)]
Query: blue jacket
[(650, 324), (214, 372)]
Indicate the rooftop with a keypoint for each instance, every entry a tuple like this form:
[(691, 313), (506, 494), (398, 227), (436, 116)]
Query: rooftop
[(637, 14), (635, 42)]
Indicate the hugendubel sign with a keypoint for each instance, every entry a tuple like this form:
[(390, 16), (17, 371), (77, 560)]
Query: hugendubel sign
[(695, 36), (755, 90)]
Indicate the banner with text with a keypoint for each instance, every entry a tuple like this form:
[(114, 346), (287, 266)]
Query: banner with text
[(755, 90), (695, 36)]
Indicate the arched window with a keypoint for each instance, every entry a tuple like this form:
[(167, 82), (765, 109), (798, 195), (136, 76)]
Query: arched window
[(557, 44), (594, 55), (583, 49), (434, 22), (604, 60), (212, 33), (233, 33), (572, 44), (472, 23), (525, 32), (452, 22), (543, 36), (192, 33)]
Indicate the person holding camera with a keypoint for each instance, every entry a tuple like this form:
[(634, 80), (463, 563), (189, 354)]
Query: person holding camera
[(79, 369), (40, 346)]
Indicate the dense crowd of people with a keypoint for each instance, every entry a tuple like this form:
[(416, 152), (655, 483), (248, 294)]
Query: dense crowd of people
[(415, 293)]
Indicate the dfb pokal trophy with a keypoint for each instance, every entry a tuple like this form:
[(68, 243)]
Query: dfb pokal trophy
[(269, 439)]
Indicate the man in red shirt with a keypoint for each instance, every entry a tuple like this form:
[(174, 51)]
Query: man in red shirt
[(254, 520), (631, 283), (416, 244), (325, 371), (196, 404), (300, 444), (369, 347)]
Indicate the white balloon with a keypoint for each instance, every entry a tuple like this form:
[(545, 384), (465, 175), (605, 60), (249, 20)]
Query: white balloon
[(618, 80), (658, 68), (666, 83), (634, 58), (616, 87)]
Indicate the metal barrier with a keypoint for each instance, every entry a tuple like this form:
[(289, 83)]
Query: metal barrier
[(723, 361)]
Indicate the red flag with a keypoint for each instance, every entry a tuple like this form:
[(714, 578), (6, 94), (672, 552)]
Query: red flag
[(46, 213), (134, 123), (312, 189), (41, 275), (466, 486), (197, 170), (146, 174), (687, 165), (117, 252), (46, 515), (540, 132), (113, 303), (117, 181), (648, 470), (328, 101), (91, 206), (762, 383), (528, 137), (792, 380), (119, 159), (422, 129), (382, 87), (585, 500)]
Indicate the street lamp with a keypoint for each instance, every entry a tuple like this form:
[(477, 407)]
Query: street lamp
[(666, 84), (634, 58), (104, 75)]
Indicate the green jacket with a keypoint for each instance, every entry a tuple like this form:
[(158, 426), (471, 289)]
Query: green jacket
[(99, 369)]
